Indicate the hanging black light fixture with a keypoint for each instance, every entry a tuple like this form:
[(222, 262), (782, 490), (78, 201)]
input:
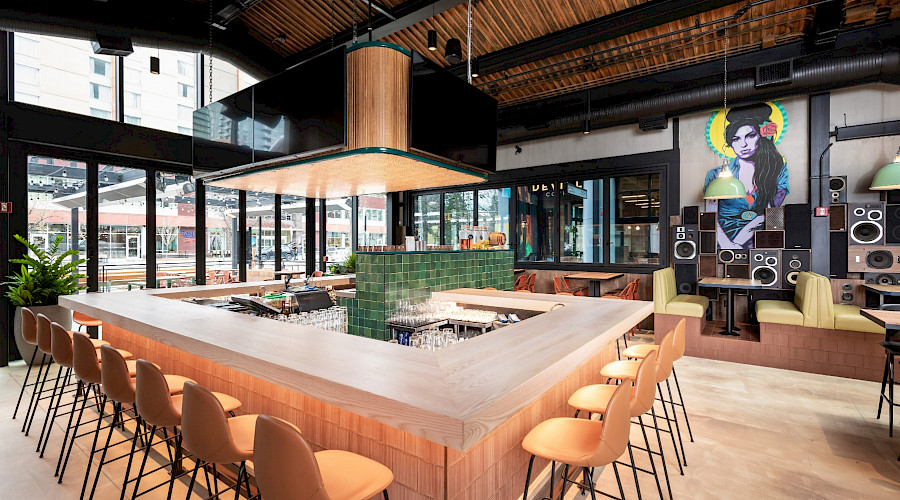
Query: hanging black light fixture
[(587, 116), (432, 40), (154, 65), (453, 52), (474, 67)]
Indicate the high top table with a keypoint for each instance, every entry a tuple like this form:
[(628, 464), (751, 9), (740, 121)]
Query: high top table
[(595, 281), (882, 291), (730, 284)]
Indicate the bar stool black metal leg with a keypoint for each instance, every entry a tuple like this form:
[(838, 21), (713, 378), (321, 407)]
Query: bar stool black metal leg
[(50, 406), (27, 425), (662, 454), (65, 383), (884, 381), (588, 482), (669, 427), (618, 481), (87, 471), (64, 461), (190, 490), (681, 403), (34, 389), (637, 482), (528, 478), (891, 395), (116, 418), (25, 383), (650, 456), (675, 417), (137, 432)]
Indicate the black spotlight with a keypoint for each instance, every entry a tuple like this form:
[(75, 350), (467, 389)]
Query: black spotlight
[(474, 67), (432, 40), (587, 126), (453, 53), (154, 65)]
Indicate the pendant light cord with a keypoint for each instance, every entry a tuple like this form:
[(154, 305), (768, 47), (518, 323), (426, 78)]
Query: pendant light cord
[(354, 20), (210, 52), (726, 68), (332, 24), (469, 44)]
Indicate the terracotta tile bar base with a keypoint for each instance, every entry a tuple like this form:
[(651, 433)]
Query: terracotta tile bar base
[(492, 469), (841, 353)]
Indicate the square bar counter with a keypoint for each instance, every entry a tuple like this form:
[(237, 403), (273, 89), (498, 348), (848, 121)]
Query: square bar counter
[(449, 423)]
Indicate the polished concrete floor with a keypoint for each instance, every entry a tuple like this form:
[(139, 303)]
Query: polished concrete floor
[(759, 433)]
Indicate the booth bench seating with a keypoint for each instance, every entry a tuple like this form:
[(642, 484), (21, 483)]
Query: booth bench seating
[(814, 334), (669, 306)]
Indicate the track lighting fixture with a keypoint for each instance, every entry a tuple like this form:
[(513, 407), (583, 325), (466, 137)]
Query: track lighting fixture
[(453, 52), (432, 40)]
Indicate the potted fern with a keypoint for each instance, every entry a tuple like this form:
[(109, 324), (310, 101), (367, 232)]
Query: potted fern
[(43, 277)]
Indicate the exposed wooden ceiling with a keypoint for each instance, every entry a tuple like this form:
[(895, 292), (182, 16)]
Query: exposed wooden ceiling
[(291, 27)]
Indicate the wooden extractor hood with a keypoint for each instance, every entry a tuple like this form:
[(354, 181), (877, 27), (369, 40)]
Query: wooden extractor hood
[(376, 155)]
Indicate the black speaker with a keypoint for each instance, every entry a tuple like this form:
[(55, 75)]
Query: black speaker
[(882, 278), (892, 225), (739, 256), (865, 223), (793, 262), (686, 279), (690, 215), (798, 233), (708, 242), (837, 185), (892, 197), (685, 247), (837, 218), (838, 255), (763, 238), (708, 221), (765, 267)]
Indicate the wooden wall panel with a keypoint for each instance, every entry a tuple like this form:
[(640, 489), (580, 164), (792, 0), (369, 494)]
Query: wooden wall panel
[(378, 98)]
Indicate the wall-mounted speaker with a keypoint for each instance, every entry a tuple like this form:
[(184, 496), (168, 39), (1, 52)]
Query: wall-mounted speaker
[(892, 197), (730, 256), (685, 247), (737, 271), (793, 262), (865, 223), (838, 255), (846, 291), (708, 242), (775, 218), (837, 185), (892, 225), (768, 239), (882, 278), (799, 233), (873, 259), (690, 215), (708, 266), (686, 278), (707, 221), (765, 267), (837, 218)]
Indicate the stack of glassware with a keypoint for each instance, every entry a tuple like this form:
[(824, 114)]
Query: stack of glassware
[(414, 315), (332, 319), (433, 339)]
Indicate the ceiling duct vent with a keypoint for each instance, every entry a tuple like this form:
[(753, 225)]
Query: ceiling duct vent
[(775, 73)]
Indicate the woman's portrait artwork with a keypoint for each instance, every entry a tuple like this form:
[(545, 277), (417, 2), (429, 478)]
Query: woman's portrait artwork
[(746, 137)]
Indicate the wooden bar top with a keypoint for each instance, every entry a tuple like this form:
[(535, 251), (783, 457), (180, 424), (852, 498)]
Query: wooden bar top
[(454, 396), (891, 290), (594, 276)]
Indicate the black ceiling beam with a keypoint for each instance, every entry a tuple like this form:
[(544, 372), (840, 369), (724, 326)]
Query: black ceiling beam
[(624, 22), (407, 14)]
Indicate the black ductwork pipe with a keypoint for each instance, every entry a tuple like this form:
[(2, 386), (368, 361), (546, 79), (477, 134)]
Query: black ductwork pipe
[(818, 74)]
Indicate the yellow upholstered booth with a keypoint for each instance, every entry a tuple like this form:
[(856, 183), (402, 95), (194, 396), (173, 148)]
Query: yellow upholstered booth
[(843, 316), (666, 300), (803, 311)]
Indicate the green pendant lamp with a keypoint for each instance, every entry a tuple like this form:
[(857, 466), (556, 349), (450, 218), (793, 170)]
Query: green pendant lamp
[(725, 186), (888, 177)]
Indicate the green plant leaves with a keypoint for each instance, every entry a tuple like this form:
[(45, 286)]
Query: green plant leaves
[(45, 276)]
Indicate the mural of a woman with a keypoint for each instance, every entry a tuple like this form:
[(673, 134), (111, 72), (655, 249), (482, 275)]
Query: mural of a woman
[(756, 162)]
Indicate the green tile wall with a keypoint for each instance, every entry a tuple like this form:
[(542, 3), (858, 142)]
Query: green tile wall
[(382, 279)]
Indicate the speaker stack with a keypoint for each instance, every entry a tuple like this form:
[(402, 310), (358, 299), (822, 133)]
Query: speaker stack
[(686, 252), (865, 223), (892, 225), (765, 267), (799, 233), (837, 185), (763, 238), (793, 262), (736, 263)]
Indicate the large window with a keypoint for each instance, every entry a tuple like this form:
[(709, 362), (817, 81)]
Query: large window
[(337, 226), (493, 209), (176, 238), (293, 232), (157, 99), (123, 228), (458, 212), (226, 80), (221, 230), (63, 73), (260, 230), (536, 206), (635, 219), (581, 221), (372, 219), (427, 218), (57, 204)]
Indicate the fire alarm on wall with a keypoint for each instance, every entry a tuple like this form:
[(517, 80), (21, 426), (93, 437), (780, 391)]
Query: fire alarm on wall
[(821, 211), (5, 207)]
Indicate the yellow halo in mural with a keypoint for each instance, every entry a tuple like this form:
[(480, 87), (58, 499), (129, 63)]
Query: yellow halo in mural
[(715, 129)]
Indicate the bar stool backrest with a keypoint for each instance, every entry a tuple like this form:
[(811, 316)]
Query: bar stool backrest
[(115, 381), (84, 359), (530, 282), (284, 463), (644, 386), (559, 285), (61, 345), (616, 425), (29, 326), (666, 357), (152, 396), (520, 282), (43, 334), (679, 340), (204, 427)]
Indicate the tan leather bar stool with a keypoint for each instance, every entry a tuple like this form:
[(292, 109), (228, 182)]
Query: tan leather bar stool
[(61, 349), (214, 438), (583, 443), (286, 467), (29, 333), (595, 398), (85, 320), (117, 386), (86, 366), (161, 410), (639, 351), (44, 345), (620, 370)]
